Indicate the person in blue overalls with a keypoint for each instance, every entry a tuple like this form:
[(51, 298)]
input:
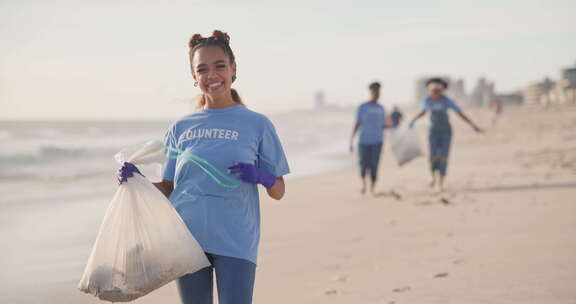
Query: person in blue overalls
[(236, 141), (440, 134), (371, 121)]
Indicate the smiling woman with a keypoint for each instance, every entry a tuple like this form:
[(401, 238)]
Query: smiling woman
[(209, 69), (235, 141)]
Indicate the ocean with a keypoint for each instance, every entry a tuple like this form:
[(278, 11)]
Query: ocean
[(39, 153)]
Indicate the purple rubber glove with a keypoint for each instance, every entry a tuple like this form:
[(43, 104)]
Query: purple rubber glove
[(252, 174), (126, 171)]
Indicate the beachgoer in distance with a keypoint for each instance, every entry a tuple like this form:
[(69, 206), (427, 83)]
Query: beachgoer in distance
[(370, 121), (498, 109), (225, 221), (440, 133), (396, 117)]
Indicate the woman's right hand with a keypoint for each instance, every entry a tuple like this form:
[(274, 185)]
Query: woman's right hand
[(127, 170)]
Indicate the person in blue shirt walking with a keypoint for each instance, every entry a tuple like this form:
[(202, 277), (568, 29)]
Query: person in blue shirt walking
[(440, 133), (370, 121), (224, 218), (396, 117)]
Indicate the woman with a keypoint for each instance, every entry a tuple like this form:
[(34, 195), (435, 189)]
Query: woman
[(371, 121), (224, 220), (440, 135)]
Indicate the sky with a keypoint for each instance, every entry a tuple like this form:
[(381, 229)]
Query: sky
[(129, 59)]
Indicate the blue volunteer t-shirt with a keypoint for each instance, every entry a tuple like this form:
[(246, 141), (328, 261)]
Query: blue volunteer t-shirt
[(225, 221), (372, 118), (439, 111)]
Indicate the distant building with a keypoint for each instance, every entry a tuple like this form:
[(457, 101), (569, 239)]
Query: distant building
[(483, 94), (539, 93), (567, 85), (457, 91), (511, 99), (549, 92), (319, 101), (545, 92)]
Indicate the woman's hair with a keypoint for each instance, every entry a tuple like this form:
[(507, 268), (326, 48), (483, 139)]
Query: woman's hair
[(437, 80), (219, 39)]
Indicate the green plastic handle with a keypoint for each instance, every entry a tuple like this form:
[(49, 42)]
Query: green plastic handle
[(221, 178)]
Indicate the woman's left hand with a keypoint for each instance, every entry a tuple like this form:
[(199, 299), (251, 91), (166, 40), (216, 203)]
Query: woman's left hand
[(252, 174)]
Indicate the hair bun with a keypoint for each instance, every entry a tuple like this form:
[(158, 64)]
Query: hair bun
[(196, 38), (221, 36)]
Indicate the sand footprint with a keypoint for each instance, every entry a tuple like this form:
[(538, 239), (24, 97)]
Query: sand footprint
[(339, 278), (331, 292), (401, 289)]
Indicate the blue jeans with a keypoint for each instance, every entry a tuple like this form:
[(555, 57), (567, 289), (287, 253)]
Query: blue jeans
[(439, 141), (234, 278), (369, 159)]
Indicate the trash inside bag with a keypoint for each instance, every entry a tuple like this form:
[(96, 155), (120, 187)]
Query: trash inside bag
[(143, 243), (405, 144)]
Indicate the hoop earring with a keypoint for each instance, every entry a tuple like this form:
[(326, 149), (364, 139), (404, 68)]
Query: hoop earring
[(195, 83)]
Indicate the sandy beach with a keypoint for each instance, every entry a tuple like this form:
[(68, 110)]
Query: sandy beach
[(503, 232)]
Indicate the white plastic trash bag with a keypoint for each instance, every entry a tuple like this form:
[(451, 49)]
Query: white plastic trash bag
[(405, 144), (143, 243)]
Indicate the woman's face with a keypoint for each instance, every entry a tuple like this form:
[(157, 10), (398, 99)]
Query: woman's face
[(436, 89), (213, 71)]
